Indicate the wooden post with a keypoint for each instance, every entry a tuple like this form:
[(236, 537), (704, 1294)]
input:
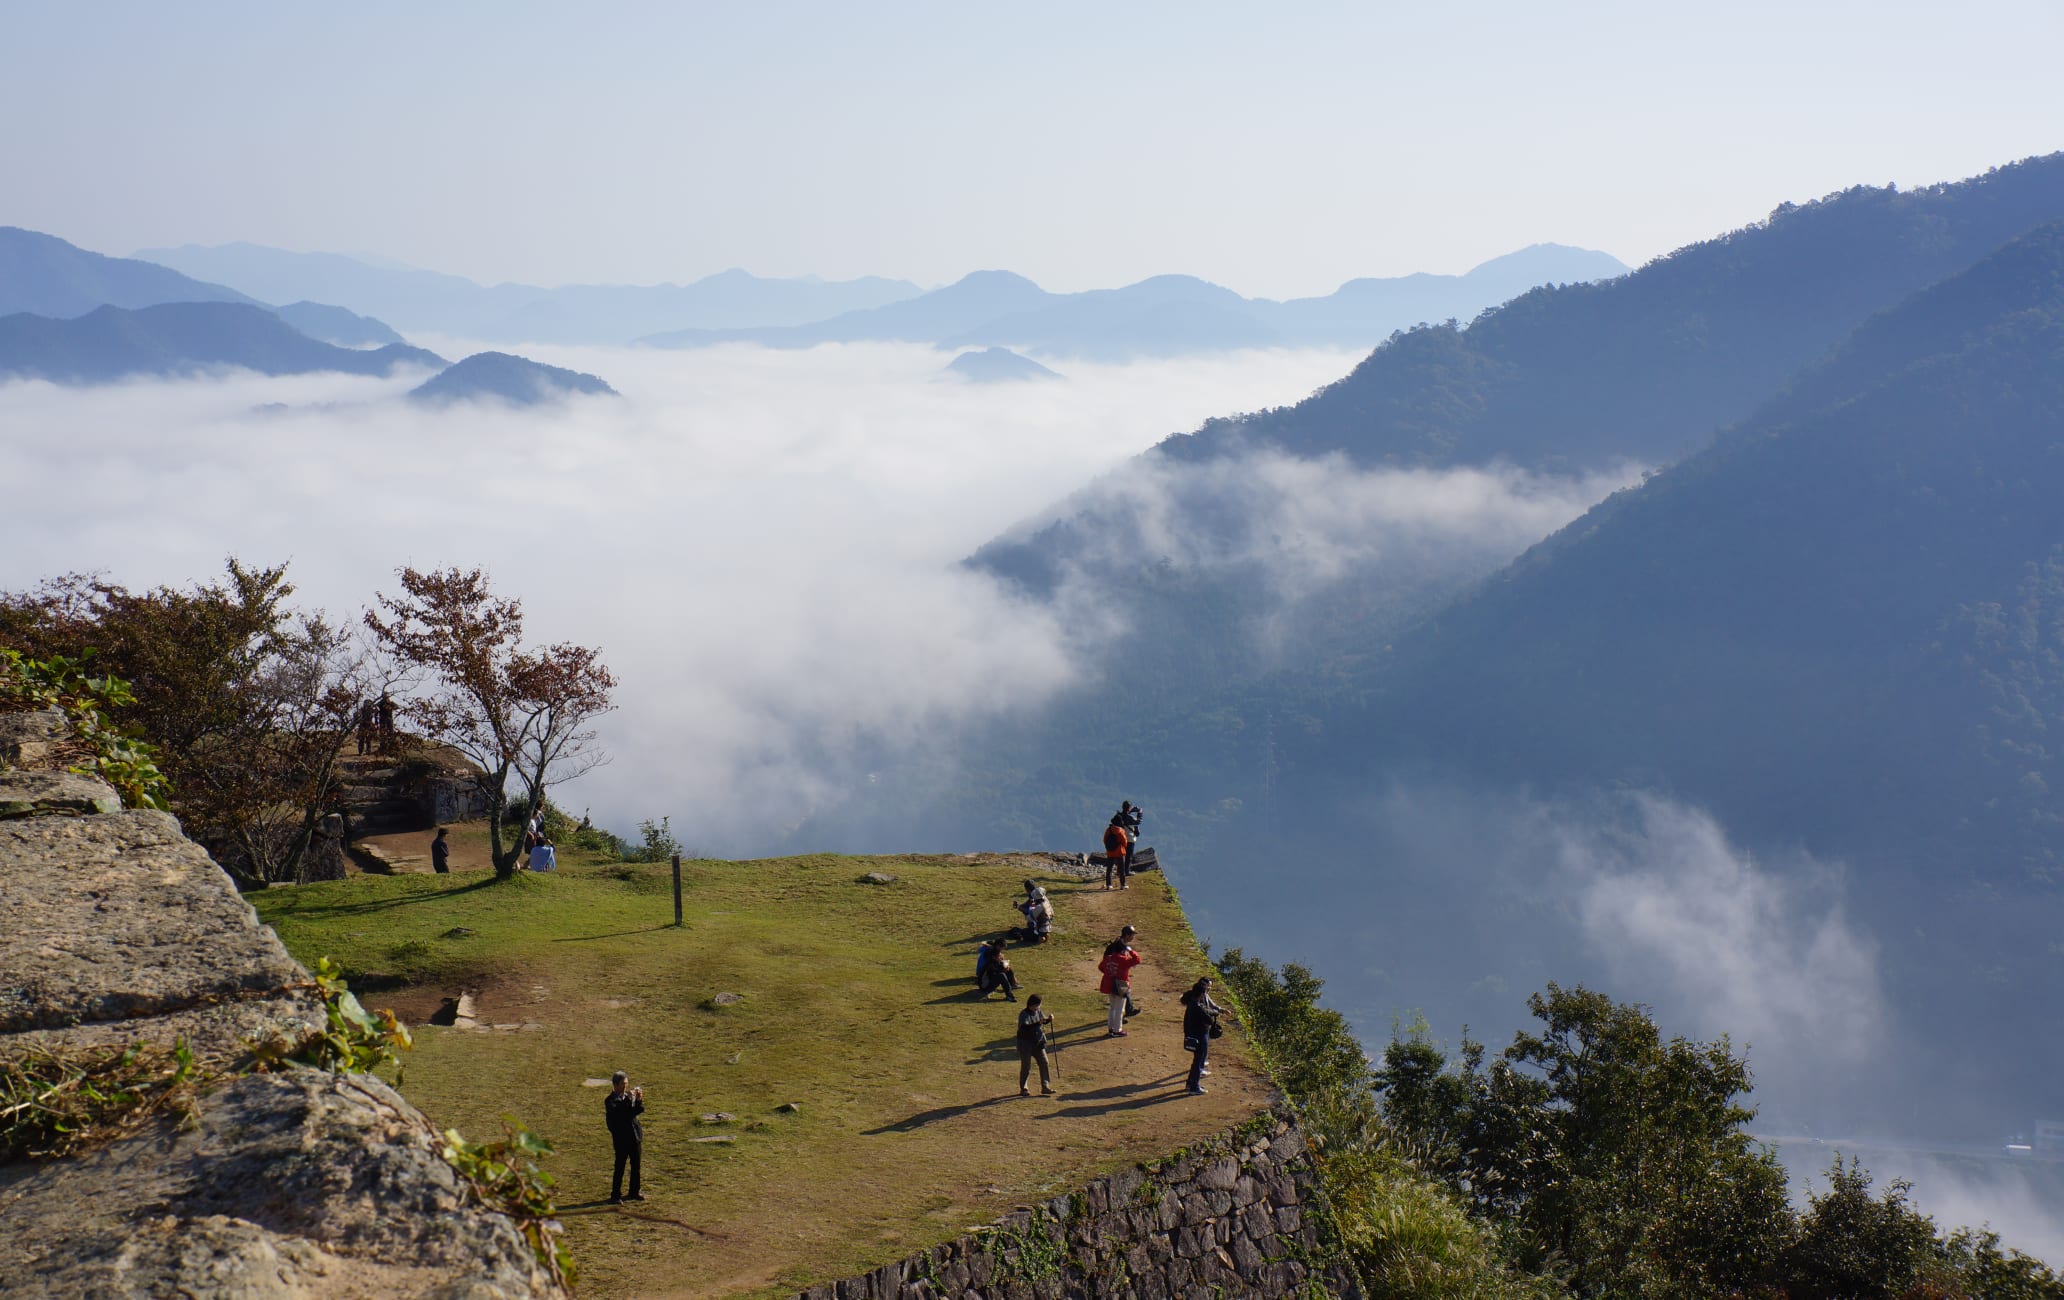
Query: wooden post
[(677, 889)]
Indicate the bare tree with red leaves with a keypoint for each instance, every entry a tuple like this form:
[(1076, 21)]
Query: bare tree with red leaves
[(511, 711)]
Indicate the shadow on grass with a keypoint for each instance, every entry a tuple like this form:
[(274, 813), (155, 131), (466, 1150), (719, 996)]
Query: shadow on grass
[(971, 995), (383, 904), (933, 1116), (615, 934), (1127, 1089), (601, 1205), (1113, 1107)]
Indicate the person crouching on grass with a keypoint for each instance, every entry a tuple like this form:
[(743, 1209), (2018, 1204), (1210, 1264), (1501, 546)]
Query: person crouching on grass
[(1032, 1023), (620, 1110)]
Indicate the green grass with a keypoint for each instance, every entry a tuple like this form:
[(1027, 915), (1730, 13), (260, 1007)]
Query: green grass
[(857, 1007)]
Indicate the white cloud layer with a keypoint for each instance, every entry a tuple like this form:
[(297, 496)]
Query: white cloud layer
[(764, 543), (1767, 955)]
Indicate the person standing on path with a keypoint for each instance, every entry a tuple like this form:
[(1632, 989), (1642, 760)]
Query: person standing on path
[(386, 723), (1117, 964), (440, 853), (620, 1109), (1199, 1026), (1117, 851), (1032, 1023), (1133, 816), (365, 727)]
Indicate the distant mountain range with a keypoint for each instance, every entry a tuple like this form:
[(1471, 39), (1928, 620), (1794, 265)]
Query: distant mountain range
[(346, 329), (112, 343), (43, 275), (78, 317), (997, 366), (500, 377), (1173, 314), (515, 313), (1165, 315)]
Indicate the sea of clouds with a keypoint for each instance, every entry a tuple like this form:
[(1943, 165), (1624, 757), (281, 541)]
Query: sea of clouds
[(765, 543)]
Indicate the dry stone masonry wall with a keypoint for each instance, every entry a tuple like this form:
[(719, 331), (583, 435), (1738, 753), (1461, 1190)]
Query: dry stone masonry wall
[(116, 929), (1230, 1219)]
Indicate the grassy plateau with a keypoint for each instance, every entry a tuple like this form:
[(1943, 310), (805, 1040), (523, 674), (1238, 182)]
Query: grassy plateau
[(856, 1004)]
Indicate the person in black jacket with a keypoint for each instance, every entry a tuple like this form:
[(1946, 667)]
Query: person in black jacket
[(621, 1109), (1199, 1023), (440, 853), (1032, 1044)]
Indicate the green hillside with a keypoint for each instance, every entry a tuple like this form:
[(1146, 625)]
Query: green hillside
[(856, 1005)]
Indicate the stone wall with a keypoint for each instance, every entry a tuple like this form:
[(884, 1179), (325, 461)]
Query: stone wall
[(299, 1183), (1231, 1218)]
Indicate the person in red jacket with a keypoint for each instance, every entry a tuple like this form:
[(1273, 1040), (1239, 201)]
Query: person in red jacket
[(1117, 964), (1117, 852)]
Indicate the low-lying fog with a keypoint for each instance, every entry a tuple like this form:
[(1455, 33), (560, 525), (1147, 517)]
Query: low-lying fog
[(764, 543)]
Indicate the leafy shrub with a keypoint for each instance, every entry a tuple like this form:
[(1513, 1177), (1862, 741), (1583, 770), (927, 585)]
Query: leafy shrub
[(352, 1040), (656, 841), (61, 682), (505, 1177)]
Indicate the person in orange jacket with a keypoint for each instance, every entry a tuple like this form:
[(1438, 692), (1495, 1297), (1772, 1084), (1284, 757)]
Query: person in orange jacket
[(1117, 964), (1117, 852)]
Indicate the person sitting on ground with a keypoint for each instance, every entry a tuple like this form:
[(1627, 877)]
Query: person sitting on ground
[(993, 970), (1117, 851), (1199, 1027), (543, 857), (440, 852), (1038, 912), (1117, 964), (1032, 1023)]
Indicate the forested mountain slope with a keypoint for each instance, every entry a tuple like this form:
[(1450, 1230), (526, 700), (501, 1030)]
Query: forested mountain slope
[(1578, 377), (1831, 625)]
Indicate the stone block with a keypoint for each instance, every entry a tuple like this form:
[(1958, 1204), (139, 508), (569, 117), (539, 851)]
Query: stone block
[(1258, 1222), (1220, 1174), (1288, 1219), (218, 1032), (1249, 1259), (41, 794), (132, 919), (264, 1194), (1221, 1203), (28, 739), (1247, 1191)]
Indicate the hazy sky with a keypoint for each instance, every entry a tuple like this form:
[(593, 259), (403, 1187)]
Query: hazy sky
[(1081, 144)]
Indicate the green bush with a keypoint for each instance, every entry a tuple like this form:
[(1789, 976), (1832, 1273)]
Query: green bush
[(117, 757)]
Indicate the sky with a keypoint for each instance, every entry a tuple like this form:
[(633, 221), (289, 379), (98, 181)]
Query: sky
[(1278, 150)]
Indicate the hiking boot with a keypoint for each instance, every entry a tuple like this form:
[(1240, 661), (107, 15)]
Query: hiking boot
[(1196, 1092), (1048, 1092), (635, 1196), (1024, 1092), (616, 1200)]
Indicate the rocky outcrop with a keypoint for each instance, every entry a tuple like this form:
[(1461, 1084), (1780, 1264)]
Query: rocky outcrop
[(299, 1183), (1232, 1218)]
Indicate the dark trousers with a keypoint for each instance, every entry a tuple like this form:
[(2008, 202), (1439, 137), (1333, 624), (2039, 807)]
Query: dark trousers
[(1120, 863), (994, 978), (1198, 1060), (633, 1153), (1027, 1056)]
